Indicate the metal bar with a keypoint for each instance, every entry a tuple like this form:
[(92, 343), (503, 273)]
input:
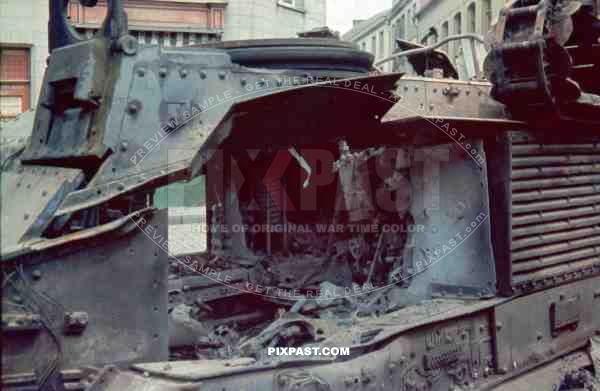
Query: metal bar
[(498, 153), (426, 49)]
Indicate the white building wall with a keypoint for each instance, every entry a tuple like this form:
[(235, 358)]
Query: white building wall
[(25, 22), (260, 19)]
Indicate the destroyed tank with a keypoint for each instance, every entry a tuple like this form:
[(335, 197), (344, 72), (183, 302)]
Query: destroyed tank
[(429, 232)]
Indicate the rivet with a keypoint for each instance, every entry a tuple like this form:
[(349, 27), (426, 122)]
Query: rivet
[(183, 72), (162, 72), (202, 75), (44, 193), (124, 146), (498, 326), (243, 81), (36, 274), (141, 72), (222, 75), (133, 107), (26, 216)]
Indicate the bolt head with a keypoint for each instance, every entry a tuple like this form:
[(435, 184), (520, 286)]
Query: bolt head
[(133, 107), (127, 44)]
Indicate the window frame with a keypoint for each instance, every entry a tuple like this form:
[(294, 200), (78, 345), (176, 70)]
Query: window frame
[(486, 16), (472, 18)]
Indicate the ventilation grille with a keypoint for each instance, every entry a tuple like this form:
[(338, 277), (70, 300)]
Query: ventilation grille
[(555, 211)]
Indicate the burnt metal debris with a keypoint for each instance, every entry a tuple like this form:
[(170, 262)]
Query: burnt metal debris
[(459, 246)]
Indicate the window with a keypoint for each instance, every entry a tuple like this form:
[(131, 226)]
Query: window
[(486, 13), (457, 24), (14, 81), (364, 46), (402, 28), (373, 44), (457, 29), (471, 18), (381, 48), (445, 32)]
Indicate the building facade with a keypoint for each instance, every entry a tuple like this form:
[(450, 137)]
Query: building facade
[(188, 22), (260, 19), (424, 22), (373, 35), (164, 22), (24, 32), (439, 19)]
